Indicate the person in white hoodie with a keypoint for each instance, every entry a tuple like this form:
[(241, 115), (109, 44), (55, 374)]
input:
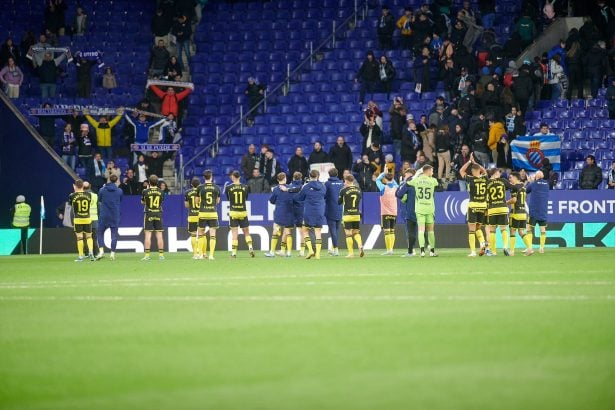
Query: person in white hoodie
[(556, 74)]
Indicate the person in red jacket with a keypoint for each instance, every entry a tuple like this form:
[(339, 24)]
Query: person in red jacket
[(170, 99)]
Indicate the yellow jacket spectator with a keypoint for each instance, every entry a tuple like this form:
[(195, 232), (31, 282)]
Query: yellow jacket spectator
[(103, 131), (496, 132), (404, 24)]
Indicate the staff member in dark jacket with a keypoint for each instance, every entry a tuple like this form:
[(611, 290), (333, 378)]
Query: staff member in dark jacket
[(318, 156), (109, 204), (368, 76), (591, 176), (298, 163), (341, 156), (406, 193)]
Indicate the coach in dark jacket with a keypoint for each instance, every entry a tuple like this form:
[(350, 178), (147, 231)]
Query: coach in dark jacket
[(298, 163), (591, 176), (318, 156), (341, 156)]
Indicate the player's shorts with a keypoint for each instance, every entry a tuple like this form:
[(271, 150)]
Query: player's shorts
[(388, 221), (476, 216), (534, 222), (518, 221), (83, 228), (153, 222), (427, 219), (212, 223), (314, 221), (193, 227), (497, 220), (352, 225), (239, 222)]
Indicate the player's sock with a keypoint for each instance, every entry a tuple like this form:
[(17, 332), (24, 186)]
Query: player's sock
[(527, 240), (212, 245), (202, 244), (147, 253), (431, 236), (392, 236), (504, 233), (195, 245), (472, 241), (358, 240), (513, 241), (90, 243), (308, 245), (318, 247), (289, 244), (422, 240), (282, 245), (234, 244), (274, 242), (80, 246), (160, 252), (386, 240), (349, 244), (249, 241), (480, 236), (492, 241), (543, 239)]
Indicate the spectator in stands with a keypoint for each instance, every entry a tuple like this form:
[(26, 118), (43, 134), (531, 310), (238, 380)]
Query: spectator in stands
[(458, 139), (170, 99), (27, 41), (52, 17), (421, 160), (84, 77), (255, 93), (159, 58), (459, 161), (404, 24), (428, 138), (368, 76), (397, 112), (365, 171), (604, 16), (386, 28), (261, 157), (548, 173), (490, 101), (423, 28), (182, 30), (47, 127), (378, 114), (173, 69), (69, 147), (514, 124), (556, 74), (48, 74), (112, 169), (422, 73), (496, 133), (298, 163), (574, 62), (130, 186), (595, 63), (611, 177), (9, 50), (544, 130), (104, 129), (370, 131), (610, 98), (410, 140), (591, 175), (270, 167), (11, 78), (257, 183), (109, 81), (164, 188), (80, 23), (423, 124), (341, 155), (161, 26), (386, 74), (525, 28), (448, 74), (74, 119), (96, 172), (376, 157), (248, 162), (140, 170), (560, 50), (443, 150), (523, 87), (154, 164), (318, 156)]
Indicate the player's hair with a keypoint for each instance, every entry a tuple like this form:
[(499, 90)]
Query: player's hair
[(333, 172), (427, 167), (281, 177), (195, 182), (208, 174), (153, 180), (492, 172), (297, 176), (78, 183), (474, 167), (113, 178), (516, 175), (236, 174), (349, 178), (314, 174), (410, 171)]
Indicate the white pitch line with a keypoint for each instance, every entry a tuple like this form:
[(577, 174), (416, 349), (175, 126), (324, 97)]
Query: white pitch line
[(308, 283), (284, 298)]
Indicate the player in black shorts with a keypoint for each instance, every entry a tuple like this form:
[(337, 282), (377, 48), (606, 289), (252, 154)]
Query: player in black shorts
[(80, 202), (191, 202), (497, 210), (518, 217), (152, 199), (237, 194), (350, 198), (476, 181), (209, 194)]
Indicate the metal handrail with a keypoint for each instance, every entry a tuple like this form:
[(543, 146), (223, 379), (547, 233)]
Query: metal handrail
[(214, 146)]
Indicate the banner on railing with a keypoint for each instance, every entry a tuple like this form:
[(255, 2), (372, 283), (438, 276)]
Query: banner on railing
[(155, 147)]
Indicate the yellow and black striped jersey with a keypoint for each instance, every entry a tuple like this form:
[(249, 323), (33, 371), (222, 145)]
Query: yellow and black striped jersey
[(496, 196), (237, 195), (477, 189), (192, 198), (350, 198), (519, 194), (81, 203), (152, 199), (209, 194)]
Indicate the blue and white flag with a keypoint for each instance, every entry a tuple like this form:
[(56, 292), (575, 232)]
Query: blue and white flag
[(42, 207), (528, 151)]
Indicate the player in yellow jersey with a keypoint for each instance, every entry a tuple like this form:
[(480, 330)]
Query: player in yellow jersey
[(191, 202), (152, 199), (237, 194), (518, 218), (497, 211), (80, 202), (209, 194), (350, 198), (477, 206)]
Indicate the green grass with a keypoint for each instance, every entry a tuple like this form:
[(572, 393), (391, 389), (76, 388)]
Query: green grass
[(385, 333)]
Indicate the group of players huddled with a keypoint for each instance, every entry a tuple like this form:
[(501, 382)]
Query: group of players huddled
[(311, 205)]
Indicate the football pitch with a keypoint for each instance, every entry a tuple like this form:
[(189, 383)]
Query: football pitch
[(375, 333)]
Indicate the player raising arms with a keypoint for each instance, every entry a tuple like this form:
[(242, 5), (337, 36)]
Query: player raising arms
[(191, 202), (152, 199), (283, 221), (518, 217), (350, 199), (497, 210), (237, 194), (477, 207), (209, 198), (538, 205), (387, 186), (80, 202), (313, 196), (424, 187)]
